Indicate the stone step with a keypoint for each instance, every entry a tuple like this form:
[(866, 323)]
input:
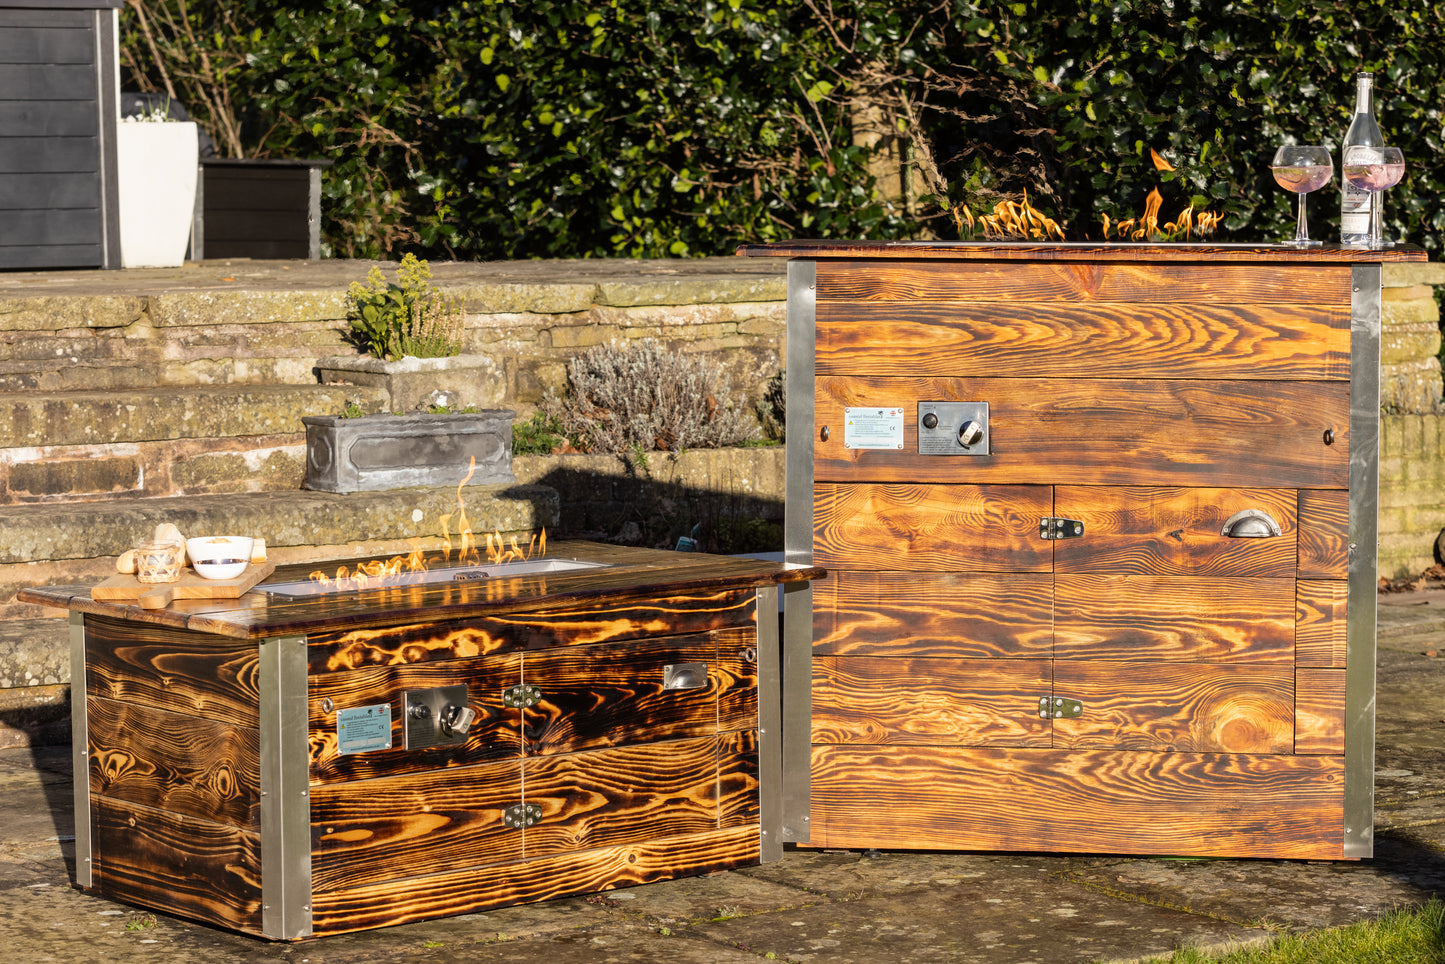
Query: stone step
[(128, 444), (51, 419), (77, 544)]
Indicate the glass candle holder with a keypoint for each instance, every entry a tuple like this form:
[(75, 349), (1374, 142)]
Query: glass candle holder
[(158, 561)]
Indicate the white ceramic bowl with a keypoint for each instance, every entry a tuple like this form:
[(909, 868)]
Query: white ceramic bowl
[(219, 557)]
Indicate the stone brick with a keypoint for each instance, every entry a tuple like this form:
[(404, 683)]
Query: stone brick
[(1406, 275), (57, 313), (263, 471), (1409, 342), (245, 307), (582, 336), (1406, 312), (76, 478), (553, 298)]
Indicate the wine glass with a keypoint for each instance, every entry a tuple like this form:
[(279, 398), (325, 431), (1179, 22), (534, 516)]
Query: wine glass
[(1302, 169), (1374, 169)]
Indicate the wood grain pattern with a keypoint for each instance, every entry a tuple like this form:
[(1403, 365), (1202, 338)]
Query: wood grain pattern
[(959, 702), (1132, 282), (496, 734), (612, 695), (1320, 711), (739, 780), (1320, 625), (188, 586), (1214, 255), (180, 865), (636, 575), (736, 671), (172, 669), (1177, 706), (1102, 432), (1172, 531), (367, 831), (1324, 534), (933, 614), (182, 764), (1078, 801), (626, 795), (1174, 618), (597, 621), (1299, 342), (931, 527), (500, 885)]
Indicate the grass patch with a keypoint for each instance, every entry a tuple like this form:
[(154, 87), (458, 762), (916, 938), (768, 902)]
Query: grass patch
[(1415, 936)]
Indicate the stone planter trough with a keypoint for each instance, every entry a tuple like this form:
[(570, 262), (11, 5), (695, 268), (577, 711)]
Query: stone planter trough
[(402, 451), (417, 384)]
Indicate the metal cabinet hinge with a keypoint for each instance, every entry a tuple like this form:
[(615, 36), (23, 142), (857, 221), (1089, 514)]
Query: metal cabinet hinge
[(1059, 708), (520, 815), (521, 696), (1051, 527)]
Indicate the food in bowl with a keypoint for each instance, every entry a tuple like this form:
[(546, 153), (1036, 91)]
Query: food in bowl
[(219, 557)]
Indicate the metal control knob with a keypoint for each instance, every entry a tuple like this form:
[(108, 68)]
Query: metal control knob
[(969, 433), (930, 420), (456, 720), (419, 711)]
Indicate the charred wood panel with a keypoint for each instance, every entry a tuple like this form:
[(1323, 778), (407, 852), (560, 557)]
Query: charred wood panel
[(184, 764), (1324, 534), (611, 696), (172, 669), (1320, 711), (1079, 283), (1285, 342), (1078, 801), (739, 780), (978, 616), (957, 702), (1173, 531), (584, 623), (1320, 623), (459, 892), (1177, 706), (367, 831), (957, 528), (1102, 432), (625, 795), (495, 735), (736, 672), (1102, 616), (180, 865)]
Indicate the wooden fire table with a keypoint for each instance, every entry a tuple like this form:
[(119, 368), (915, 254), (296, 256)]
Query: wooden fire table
[(1099, 522), (291, 765)]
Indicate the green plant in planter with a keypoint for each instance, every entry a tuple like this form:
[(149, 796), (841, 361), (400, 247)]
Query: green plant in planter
[(405, 317)]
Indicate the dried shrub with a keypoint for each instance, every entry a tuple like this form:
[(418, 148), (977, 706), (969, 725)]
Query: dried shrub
[(634, 399)]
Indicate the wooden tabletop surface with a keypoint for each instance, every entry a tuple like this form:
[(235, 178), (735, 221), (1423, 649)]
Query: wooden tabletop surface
[(1085, 251), (630, 573)]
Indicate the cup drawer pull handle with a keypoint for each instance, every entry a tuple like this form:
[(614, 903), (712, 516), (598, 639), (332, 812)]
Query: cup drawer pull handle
[(1251, 524)]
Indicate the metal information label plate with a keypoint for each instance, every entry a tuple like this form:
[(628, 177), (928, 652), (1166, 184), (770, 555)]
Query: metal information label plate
[(362, 729), (873, 428)]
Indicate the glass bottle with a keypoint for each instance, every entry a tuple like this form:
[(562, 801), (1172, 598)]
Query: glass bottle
[(1356, 204)]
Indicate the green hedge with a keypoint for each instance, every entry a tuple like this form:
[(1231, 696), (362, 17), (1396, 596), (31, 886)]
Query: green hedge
[(558, 128)]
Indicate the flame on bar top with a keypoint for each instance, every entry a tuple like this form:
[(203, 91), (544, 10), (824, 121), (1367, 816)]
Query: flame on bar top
[(377, 574), (1147, 227)]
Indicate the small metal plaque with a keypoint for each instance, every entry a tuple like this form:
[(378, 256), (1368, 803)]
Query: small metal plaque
[(873, 428), (363, 729)]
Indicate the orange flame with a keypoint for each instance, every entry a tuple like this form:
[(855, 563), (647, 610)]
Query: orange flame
[(377, 573), (1147, 227)]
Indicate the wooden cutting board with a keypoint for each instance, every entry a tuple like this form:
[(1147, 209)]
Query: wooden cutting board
[(189, 586)]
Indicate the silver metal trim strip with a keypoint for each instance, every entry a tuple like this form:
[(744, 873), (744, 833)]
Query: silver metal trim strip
[(770, 726), (1366, 283), (285, 790), (80, 754), (797, 701)]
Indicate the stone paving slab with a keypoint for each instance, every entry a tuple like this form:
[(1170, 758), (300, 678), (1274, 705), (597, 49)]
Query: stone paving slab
[(815, 906)]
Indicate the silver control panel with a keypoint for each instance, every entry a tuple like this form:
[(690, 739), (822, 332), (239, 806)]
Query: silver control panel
[(437, 717), (953, 428)]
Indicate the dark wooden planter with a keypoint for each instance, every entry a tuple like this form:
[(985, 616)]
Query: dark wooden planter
[(258, 208), (58, 205)]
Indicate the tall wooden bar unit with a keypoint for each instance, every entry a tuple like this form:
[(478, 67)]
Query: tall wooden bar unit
[(1099, 522)]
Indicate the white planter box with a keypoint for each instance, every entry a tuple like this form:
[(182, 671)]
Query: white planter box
[(156, 176)]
